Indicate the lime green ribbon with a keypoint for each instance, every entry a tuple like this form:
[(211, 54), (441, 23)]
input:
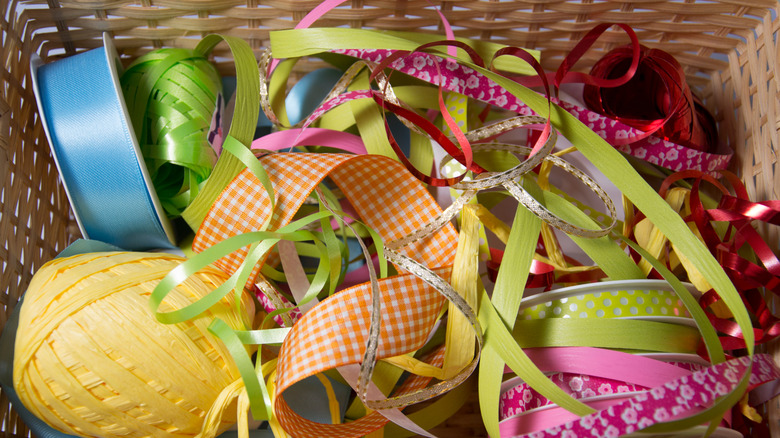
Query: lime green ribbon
[(240, 135), (622, 334)]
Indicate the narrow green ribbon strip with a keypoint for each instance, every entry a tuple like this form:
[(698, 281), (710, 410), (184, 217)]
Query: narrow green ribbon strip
[(263, 240), (242, 127), (520, 249), (338, 252), (255, 387), (498, 338), (263, 337), (171, 95), (607, 333)]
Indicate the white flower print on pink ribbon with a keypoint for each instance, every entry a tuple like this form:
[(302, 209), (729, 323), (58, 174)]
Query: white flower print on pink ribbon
[(675, 398), (268, 306), (522, 397), (473, 84)]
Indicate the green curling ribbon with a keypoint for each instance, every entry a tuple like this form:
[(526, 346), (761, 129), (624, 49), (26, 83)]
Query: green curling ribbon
[(520, 249), (171, 95)]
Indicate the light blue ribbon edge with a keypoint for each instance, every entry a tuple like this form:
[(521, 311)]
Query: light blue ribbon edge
[(112, 60)]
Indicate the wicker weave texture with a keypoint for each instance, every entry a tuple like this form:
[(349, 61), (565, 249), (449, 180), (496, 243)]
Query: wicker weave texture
[(729, 50)]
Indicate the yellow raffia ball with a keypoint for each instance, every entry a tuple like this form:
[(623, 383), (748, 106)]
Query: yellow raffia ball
[(91, 359)]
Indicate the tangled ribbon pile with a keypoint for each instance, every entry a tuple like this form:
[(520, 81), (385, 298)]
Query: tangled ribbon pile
[(393, 321), (416, 329)]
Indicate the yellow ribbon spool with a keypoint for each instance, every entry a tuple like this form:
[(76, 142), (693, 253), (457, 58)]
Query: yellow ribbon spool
[(91, 360)]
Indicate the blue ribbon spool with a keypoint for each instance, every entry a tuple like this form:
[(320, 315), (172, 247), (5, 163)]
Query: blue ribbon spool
[(96, 152)]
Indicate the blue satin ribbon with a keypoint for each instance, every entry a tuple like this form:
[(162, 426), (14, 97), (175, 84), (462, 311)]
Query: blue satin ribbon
[(96, 152)]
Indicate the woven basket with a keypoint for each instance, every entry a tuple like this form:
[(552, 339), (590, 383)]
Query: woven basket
[(729, 50)]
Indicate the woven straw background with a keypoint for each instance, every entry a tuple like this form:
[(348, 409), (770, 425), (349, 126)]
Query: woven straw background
[(729, 50)]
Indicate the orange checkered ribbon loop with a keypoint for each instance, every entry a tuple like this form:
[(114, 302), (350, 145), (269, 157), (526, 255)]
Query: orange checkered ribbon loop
[(394, 204), (421, 241)]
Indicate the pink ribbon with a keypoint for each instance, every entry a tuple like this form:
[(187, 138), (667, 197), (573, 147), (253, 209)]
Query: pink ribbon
[(676, 398)]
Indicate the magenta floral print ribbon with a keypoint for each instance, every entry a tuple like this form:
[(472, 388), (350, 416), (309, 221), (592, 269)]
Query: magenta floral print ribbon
[(522, 397), (465, 80), (674, 399)]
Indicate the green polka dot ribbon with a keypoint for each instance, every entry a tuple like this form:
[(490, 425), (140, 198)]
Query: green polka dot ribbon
[(614, 304), (608, 299)]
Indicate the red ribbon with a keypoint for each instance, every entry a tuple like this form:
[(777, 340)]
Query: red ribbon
[(541, 275), (565, 75), (656, 99), (749, 277)]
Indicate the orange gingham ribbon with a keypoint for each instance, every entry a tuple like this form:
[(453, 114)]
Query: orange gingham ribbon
[(392, 202), (384, 194)]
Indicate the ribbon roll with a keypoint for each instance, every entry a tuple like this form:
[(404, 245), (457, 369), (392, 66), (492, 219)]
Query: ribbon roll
[(96, 151), (643, 298), (588, 373), (656, 99), (516, 399), (171, 95), (582, 367), (679, 396)]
